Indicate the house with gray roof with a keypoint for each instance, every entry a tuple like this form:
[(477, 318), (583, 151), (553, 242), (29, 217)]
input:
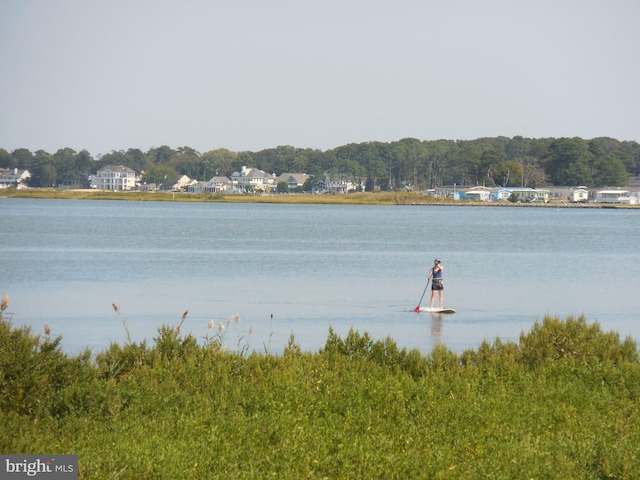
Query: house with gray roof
[(252, 179), (14, 178), (114, 177)]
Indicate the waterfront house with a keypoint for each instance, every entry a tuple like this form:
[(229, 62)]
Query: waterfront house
[(14, 178), (614, 196), (182, 183), (252, 179), (499, 194), (149, 187), (579, 194), (337, 186), (114, 177), (215, 185), (293, 180), (530, 195), (478, 193)]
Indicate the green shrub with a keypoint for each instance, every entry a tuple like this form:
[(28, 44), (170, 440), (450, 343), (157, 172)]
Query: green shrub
[(576, 341), (563, 403)]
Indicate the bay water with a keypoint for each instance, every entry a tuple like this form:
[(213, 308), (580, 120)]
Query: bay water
[(266, 271)]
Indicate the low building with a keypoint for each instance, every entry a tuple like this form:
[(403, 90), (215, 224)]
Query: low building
[(481, 194), (14, 178), (215, 185), (115, 177), (530, 195), (578, 194), (615, 196), (499, 194)]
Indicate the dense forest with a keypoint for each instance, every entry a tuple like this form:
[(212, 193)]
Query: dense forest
[(494, 161)]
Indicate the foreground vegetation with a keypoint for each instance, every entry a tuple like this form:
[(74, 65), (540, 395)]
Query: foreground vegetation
[(562, 403)]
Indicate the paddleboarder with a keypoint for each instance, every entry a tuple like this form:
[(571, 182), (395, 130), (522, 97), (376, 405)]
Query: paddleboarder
[(435, 275)]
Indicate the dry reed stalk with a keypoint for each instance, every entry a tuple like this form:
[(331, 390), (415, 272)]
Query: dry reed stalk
[(4, 303)]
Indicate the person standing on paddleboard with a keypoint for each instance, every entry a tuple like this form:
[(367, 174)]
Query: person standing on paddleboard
[(435, 275)]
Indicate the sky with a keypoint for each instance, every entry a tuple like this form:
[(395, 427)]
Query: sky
[(248, 75)]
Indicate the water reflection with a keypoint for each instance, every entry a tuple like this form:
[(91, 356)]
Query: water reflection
[(436, 326)]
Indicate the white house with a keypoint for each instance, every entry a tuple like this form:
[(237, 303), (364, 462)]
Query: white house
[(478, 193), (252, 179), (14, 178), (338, 185), (215, 185), (614, 196), (182, 183), (114, 178), (578, 194)]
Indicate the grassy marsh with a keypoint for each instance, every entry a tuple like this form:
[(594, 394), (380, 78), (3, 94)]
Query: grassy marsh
[(563, 402)]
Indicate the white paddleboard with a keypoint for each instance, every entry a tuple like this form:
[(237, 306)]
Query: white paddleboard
[(437, 310)]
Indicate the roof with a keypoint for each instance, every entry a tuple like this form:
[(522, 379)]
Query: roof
[(619, 192), (116, 168)]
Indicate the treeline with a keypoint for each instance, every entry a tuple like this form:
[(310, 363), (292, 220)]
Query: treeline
[(494, 161)]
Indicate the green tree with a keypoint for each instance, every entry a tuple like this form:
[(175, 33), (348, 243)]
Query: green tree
[(464, 164), (437, 161), (610, 171), (85, 164), (516, 147), (162, 155), (369, 185), (218, 163), (508, 173), (188, 161), (161, 175), (569, 162), (283, 187), (6, 159), (43, 170), (137, 160), (23, 158), (490, 161), (66, 166)]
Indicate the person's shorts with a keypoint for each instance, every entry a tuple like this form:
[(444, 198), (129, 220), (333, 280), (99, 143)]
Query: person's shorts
[(436, 284)]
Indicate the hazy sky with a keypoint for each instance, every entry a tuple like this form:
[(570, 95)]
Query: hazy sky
[(107, 75)]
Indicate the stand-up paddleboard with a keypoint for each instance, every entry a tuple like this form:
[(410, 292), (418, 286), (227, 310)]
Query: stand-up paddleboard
[(437, 310)]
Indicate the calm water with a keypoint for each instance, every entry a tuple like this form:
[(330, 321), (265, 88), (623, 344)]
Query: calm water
[(302, 269)]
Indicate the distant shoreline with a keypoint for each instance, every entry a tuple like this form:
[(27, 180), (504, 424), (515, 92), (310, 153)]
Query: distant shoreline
[(361, 198)]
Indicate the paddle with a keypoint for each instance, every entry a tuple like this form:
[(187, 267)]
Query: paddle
[(417, 309)]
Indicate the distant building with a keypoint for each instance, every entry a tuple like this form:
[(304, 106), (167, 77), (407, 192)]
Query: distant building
[(215, 185), (182, 184), (481, 194), (114, 178), (578, 194), (252, 179), (293, 180), (14, 178), (615, 196), (524, 194)]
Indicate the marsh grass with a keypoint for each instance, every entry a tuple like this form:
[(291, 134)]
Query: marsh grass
[(563, 402), (362, 198)]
